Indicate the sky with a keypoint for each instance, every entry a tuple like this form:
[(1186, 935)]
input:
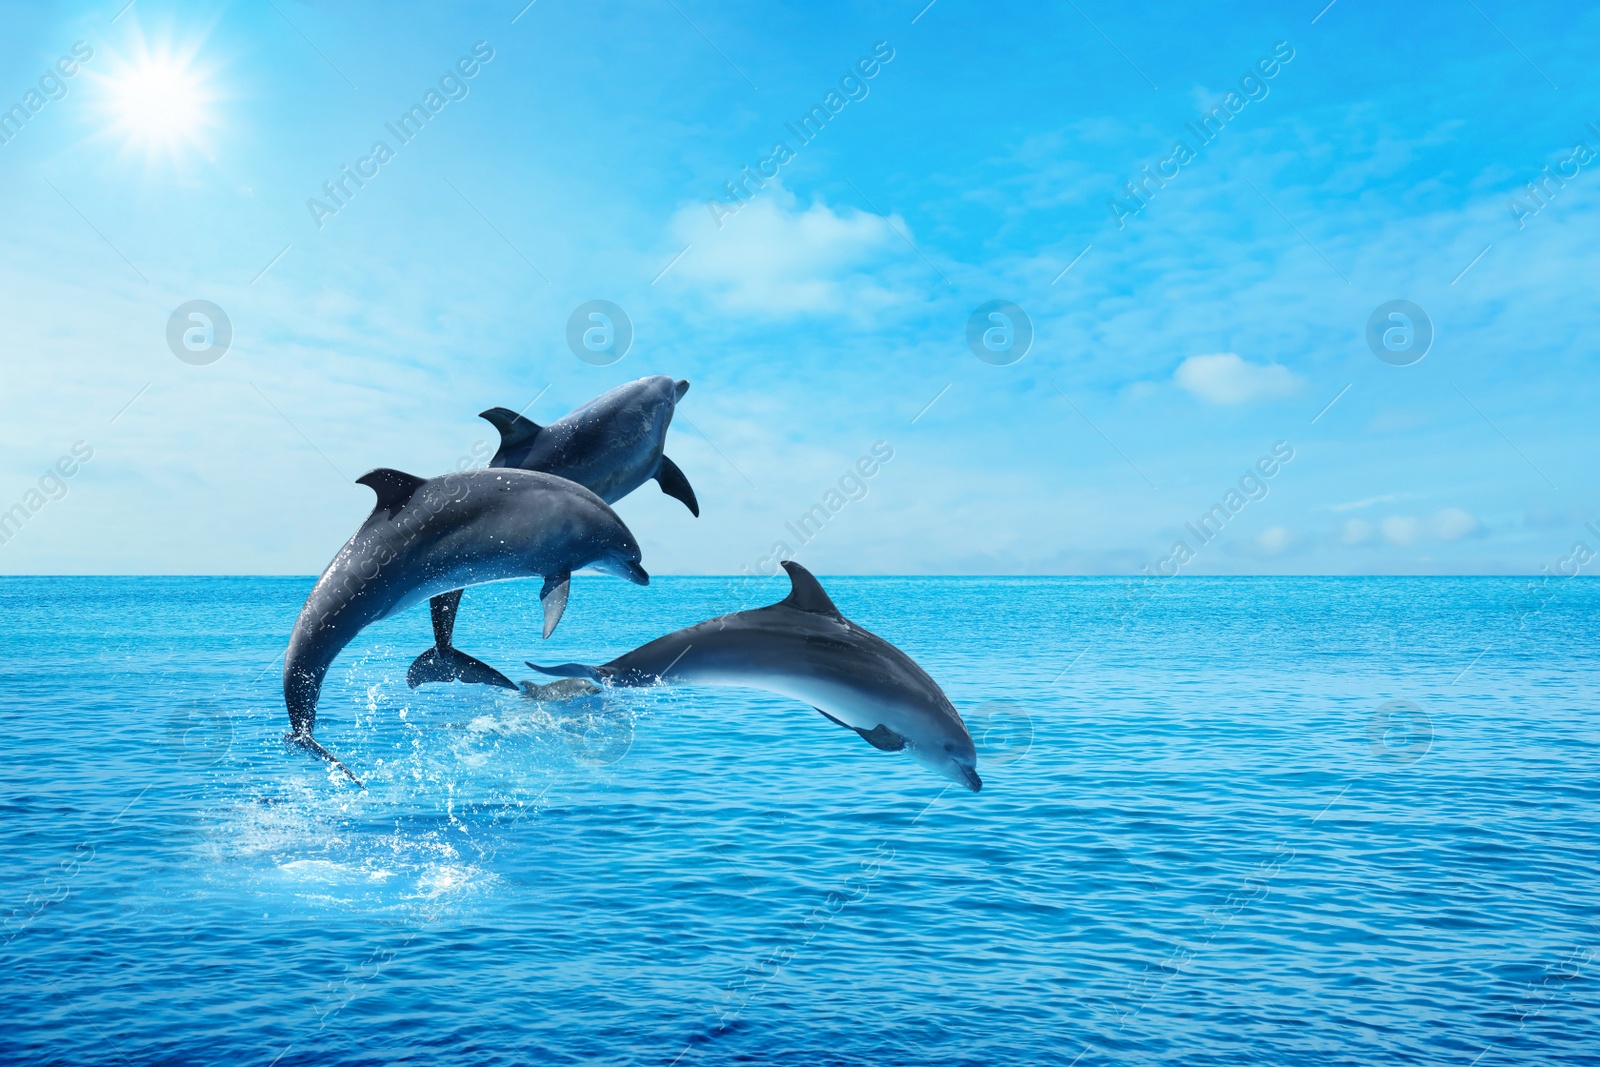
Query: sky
[(1157, 348)]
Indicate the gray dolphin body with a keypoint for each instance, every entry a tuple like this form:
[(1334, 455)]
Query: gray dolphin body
[(803, 648), (611, 446), (427, 536)]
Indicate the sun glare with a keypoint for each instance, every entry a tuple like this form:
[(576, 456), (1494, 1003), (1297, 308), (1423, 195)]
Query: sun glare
[(160, 100), (160, 103)]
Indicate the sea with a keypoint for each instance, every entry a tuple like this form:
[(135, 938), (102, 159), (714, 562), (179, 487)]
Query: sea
[(1224, 821)]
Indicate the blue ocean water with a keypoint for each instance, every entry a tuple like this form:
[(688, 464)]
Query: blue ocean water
[(1293, 821)]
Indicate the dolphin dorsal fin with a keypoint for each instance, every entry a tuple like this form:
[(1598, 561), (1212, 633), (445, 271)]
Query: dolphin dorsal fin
[(393, 487), (806, 594), (515, 431)]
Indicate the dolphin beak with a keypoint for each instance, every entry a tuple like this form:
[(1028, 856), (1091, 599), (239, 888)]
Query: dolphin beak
[(683, 387), (973, 782), (634, 573)]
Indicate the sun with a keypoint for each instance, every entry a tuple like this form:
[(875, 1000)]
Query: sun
[(160, 103), (159, 99)]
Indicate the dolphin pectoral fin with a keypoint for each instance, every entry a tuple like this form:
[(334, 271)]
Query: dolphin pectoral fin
[(883, 739), (450, 664), (515, 431), (443, 609), (676, 485), (309, 742), (879, 737), (571, 670), (831, 719), (554, 595)]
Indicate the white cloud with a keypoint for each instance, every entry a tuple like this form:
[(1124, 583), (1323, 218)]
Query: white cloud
[(1356, 505), (1401, 530), (1357, 531), (775, 258), (1452, 524), (1273, 539), (1224, 378)]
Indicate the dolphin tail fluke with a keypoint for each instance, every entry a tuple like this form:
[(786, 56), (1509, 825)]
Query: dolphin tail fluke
[(309, 742), (442, 610), (571, 670), (453, 665)]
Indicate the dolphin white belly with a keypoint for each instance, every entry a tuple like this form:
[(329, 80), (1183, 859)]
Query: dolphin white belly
[(856, 706)]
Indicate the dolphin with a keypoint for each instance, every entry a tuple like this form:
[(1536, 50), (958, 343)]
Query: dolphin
[(427, 536), (804, 648), (611, 446)]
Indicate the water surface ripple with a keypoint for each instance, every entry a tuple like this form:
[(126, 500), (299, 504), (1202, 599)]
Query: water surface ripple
[(1287, 820)]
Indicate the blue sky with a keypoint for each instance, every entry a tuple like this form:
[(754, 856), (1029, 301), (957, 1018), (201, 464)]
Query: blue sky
[(976, 164)]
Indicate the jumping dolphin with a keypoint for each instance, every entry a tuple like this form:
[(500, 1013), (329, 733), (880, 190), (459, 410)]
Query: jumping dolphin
[(610, 446), (426, 536), (803, 648)]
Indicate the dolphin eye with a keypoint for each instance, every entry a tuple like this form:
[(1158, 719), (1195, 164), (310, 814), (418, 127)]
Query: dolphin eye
[(949, 746)]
